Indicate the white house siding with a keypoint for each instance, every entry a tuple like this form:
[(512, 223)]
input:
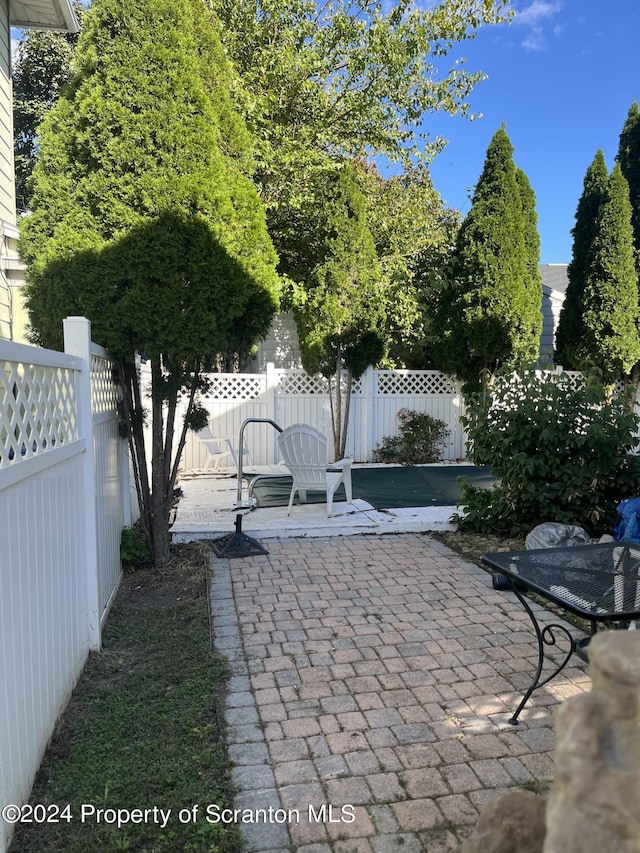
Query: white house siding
[(5, 308), (552, 302), (53, 14), (554, 286), (280, 347), (547, 338), (7, 189), (12, 272)]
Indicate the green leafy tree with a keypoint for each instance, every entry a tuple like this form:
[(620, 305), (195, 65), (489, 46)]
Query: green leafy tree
[(488, 314), (145, 221), (571, 332), (41, 67), (337, 307), (610, 301), (349, 76), (414, 235), (629, 160)]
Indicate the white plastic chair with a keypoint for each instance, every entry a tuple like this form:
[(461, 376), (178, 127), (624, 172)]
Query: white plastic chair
[(304, 451), (219, 449)]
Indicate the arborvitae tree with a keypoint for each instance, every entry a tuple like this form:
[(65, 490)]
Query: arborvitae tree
[(629, 159), (488, 315), (570, 335), (533, 314), (338, 307), (145, 221), (41, 67), (610, 303)]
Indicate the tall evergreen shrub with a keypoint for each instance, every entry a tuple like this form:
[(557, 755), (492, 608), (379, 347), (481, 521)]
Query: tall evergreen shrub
[(629, 159), (610, 304), (489, 314), (571, 332), (599, 322), (146, 221)]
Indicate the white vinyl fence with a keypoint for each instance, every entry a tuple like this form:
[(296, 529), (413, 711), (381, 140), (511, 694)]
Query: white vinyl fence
[(64, 498), (292, 396)]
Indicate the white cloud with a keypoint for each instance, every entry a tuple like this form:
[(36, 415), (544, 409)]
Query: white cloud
[(535, 16), (536, 12), (535, 40)]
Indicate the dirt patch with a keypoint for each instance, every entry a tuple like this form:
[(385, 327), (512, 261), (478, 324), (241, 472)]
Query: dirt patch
[(183, 578), (472, 546)]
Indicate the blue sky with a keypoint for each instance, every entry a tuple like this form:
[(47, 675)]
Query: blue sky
[(561, 77)]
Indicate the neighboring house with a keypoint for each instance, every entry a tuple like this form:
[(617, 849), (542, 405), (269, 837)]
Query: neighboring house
[(554, 288), (281, 345), (24, 14)]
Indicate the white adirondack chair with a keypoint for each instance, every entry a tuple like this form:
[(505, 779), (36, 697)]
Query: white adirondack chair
[(304, 451), (220, 449)]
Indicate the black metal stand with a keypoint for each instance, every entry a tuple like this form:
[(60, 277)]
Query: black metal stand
[(545, 637), (238, 544)]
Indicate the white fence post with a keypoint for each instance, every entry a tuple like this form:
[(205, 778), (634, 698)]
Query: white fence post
[(272, 378), (125, 484), (77, 342), (368, 411)]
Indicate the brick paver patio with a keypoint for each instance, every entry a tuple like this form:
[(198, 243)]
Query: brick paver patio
[(373, 679)]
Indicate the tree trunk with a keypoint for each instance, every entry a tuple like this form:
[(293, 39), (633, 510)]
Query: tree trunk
[(159, 518), (337, 415), (133, 421), (155, 498), (345, 422)]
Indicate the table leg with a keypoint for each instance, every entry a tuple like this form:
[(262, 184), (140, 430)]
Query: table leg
[(544, 636)]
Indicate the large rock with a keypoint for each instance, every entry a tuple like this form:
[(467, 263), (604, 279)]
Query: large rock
[(594, 802), (512, 823)]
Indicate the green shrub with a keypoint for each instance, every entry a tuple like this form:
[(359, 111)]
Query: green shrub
[(134, 550), (561, 450), (419, 442)]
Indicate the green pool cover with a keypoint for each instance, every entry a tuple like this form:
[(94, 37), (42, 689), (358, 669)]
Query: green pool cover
[(386, 488)]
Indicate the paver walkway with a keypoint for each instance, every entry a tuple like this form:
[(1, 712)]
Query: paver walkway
[(374, 677)]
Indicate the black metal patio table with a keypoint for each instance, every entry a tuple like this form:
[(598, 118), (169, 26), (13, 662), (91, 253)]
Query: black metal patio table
[(599, 583)]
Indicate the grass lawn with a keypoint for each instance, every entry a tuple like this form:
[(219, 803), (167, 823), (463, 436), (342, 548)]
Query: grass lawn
[(142, 728)]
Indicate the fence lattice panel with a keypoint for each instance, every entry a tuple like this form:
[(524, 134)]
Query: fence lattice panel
[(298, 383), (37, 409), (104, 391), (231, 386), (430, 382)]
